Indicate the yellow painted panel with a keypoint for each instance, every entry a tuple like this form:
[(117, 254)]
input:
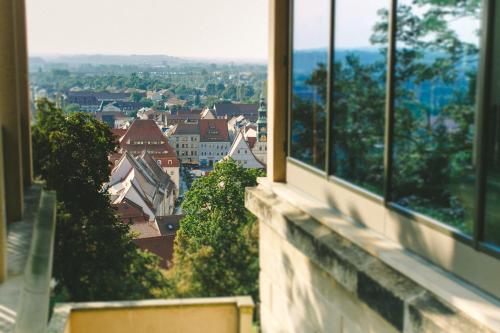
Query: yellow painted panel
[(177, 319)]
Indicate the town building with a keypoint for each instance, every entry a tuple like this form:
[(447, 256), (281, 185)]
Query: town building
[(127, 107), (155, 96), (114, 118), (185, 137), (241, 153), (133, 214), (160, 117), (228, 109), (214, 141), (259, 147), (88, 103), (207, 114), (141, 180), (145, 135), (161, 245), (100, 96)]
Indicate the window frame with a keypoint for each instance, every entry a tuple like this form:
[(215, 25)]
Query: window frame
[(476, 240)]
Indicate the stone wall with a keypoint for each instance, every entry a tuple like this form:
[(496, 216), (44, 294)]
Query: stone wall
[(314, 280)]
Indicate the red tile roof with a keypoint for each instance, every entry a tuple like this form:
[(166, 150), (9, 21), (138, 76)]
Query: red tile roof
[(144, 130), (118, 132), (251, 141), (167, 162), (213, 130), (162, 246), (145, 135)]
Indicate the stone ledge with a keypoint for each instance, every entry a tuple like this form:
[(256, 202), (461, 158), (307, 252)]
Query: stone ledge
[(407, 306)]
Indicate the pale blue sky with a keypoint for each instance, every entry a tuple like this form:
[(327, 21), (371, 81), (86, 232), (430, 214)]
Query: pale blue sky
[(224, 29), (228, 29)]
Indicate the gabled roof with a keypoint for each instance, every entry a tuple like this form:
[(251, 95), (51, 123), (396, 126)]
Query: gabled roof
[(237, 153), (229, 109), (119, 132), (144, 130), (167, 162), (207, 114), (213, 130), (156, 170), (186, 129), (83, 100), (130, 212), (145, 135), (140, 180)]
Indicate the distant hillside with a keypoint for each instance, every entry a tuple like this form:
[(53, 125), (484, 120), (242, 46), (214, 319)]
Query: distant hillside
[(98, 59), (305, 61), (72, 62)]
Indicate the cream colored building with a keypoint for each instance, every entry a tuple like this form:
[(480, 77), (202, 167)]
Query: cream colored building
[(185, 138)]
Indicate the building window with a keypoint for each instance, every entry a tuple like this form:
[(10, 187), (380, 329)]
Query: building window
[(358, 99), (434, 111), (401, 113), (492, 156), (308, 100)]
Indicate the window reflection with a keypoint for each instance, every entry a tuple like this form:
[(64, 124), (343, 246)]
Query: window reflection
[(358, 97), (436, 70), (492, 214), (309, 68)]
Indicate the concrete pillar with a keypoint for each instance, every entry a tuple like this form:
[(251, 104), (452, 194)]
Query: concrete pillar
[(245, 314), (277, 89), (10, 119), (23, 86), (3, 220)]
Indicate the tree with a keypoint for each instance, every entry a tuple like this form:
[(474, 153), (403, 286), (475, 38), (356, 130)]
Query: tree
[(230, 92), (136, 96), (72, 108), (216, 251), (95, 258), (211, 89), (146, 102)]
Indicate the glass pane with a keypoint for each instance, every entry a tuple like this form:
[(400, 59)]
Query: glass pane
[(436, 71), (309, 68), (492, 215), (358, 98)]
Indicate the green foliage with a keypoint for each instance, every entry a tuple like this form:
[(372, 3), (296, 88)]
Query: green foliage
[(216, 249), (71, 108), (136, 96), (146, 102), (95, 258)]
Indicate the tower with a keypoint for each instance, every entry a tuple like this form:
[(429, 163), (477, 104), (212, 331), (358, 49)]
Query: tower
[(262, 122)]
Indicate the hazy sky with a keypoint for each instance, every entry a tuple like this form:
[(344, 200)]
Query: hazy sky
[(193, 28), (354, 23)]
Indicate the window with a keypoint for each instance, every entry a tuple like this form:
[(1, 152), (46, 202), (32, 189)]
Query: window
[(492, 115), (358, 97), (308, 98), (396, 118), (434, 111)]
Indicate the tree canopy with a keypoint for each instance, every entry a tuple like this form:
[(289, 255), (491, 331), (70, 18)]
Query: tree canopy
[(95, 258), (216, 249)]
